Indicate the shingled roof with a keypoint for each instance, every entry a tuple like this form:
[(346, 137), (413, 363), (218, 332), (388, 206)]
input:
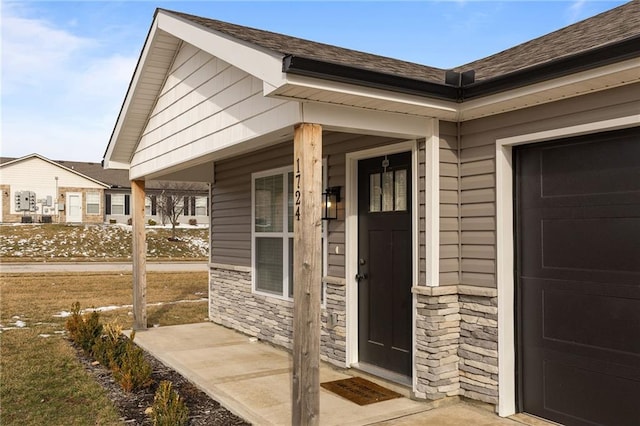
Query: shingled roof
[(610, 27), (287, 45), (615, 25)]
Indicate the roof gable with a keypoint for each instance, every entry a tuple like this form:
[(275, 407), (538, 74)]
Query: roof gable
[(38, 157)]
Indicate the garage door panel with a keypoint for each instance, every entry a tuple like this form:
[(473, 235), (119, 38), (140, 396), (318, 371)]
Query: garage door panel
[(578, 262), (584, 407), (600, 165), (583, 320), (578, 244)]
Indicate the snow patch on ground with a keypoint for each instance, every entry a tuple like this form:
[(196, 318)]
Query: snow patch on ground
[(64, 314)]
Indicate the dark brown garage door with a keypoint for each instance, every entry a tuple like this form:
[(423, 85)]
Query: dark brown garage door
[(578, 257)]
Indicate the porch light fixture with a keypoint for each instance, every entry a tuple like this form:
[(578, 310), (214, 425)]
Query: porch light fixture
[(330, 200)]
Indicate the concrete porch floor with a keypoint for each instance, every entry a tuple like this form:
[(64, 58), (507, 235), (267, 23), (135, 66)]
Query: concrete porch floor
[(253, 380)]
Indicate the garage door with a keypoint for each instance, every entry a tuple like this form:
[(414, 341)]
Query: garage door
[(578, 295)]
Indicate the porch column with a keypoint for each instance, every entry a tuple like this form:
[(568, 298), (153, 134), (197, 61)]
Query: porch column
[(139, 256), (307, 268)]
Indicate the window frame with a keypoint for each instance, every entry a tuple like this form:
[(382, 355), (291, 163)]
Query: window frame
[(96, 203), (114, 197), (284, 295), (285, 235)]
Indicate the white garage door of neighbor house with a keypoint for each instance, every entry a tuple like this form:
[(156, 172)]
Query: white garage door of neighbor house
[(74, 207)]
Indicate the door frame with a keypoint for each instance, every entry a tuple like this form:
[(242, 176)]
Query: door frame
[(351, 240), (505, 248), (68, 207)]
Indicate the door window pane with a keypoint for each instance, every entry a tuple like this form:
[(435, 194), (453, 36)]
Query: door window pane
[(374, 192), (387, 191), (401, 190)]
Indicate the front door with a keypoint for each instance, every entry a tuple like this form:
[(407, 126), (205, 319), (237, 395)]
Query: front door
[(74, 207), (385, 265)]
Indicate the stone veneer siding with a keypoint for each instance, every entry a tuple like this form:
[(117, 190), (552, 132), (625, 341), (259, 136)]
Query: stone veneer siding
[(478, 343), (457, 343), (233, 304), (456, 330)]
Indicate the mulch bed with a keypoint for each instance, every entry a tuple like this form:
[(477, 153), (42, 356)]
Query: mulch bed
[(202, 409)]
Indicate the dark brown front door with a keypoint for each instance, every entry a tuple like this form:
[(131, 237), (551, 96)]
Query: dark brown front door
[(578, 239), (384, 257)]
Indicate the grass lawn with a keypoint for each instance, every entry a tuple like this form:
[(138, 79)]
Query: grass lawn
[(41, 380), (61, 242)]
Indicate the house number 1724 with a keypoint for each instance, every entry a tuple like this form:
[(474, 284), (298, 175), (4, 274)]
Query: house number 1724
[(298, 193)]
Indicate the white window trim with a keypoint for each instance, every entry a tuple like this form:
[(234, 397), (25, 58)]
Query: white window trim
[(285, 230), (113, 197), (505, 249), (86, 203), (285, 249)]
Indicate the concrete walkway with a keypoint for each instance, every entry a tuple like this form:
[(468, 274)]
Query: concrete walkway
[(32, 267), (253, 380)]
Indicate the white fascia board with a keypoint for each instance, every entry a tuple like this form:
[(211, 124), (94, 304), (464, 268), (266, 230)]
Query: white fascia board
[(265, 65), (467, 107), (447, 107), (129, 97), (117, 165), (367, 121)]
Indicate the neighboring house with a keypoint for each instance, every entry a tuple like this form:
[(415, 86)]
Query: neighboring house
[(84, 192), (194, 203), (487, 238), (36, 189)]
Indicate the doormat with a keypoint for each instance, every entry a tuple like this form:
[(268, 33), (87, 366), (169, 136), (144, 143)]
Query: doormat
[(359, 390)]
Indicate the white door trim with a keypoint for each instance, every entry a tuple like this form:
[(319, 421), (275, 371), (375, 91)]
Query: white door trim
[(505, 249), (351, 235), (69, 218)]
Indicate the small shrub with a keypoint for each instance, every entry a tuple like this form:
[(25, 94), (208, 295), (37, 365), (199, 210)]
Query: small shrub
[(134, 372), (152, 222), (168, 408), (193, 222), (109, 349), (84, 331), (129, 221)]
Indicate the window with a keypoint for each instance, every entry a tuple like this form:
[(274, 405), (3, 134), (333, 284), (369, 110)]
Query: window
[(388, 191), (93, 202), (201, 206), (151, 205), (273, 232), (119, 204)]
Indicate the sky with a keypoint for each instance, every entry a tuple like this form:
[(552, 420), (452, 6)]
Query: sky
[(66, 65)]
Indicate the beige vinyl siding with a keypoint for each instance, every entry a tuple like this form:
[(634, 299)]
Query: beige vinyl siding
[(206, 105), (477, 166), (449, 205), (231, 197)]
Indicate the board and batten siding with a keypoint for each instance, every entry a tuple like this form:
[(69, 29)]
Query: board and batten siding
[(231, 197), (206, 105), (478, 165)]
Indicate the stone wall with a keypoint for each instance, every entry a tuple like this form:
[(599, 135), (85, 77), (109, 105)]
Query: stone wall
[(437, 342), (456, 330), (478, 343), (233, 304)]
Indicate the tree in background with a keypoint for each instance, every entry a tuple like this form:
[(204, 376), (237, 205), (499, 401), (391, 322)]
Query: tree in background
[(171, 202)]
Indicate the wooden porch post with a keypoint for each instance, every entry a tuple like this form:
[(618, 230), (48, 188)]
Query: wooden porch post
[(139, 256), (307, 257)]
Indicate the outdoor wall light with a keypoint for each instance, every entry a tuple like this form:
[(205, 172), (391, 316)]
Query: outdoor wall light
[(330, 200)]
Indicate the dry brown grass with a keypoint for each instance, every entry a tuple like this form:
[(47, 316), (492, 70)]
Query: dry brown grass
[(42, 381)]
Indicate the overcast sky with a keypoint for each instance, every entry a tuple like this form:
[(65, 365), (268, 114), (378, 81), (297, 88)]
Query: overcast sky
[(66, 66)]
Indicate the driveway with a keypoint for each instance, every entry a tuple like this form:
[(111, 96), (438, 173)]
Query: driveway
[(34, 267)]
